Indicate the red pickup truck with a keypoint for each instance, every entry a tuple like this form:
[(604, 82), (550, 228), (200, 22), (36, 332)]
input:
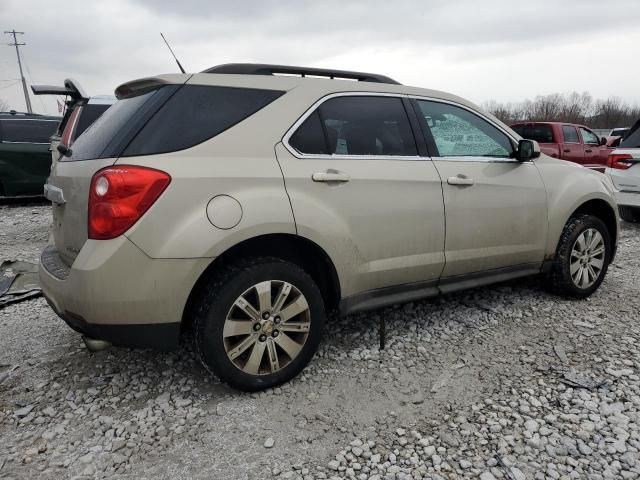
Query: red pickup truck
[(575, 143)]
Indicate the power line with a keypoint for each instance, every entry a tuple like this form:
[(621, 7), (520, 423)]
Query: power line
[(24, 83)]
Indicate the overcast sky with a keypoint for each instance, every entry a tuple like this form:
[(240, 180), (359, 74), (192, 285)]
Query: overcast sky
[(479, 49)]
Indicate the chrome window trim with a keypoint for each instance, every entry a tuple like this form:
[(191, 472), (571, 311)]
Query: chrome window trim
[(287, 136), (321, 156), (26, 143)]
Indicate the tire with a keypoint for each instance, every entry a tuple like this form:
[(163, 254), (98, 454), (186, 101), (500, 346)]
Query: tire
[(218, 314), (629, 214), (560, 279)]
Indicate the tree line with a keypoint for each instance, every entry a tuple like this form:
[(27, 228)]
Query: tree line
[(572, 107)]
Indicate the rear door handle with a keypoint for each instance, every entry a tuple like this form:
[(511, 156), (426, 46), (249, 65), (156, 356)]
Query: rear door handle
[(566, 150), (330, 176), (460, 180), (588, 151)]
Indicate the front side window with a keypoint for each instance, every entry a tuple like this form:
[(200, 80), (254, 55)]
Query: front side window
[(589, 137), (570, 134), (357, 125), (459, 133)]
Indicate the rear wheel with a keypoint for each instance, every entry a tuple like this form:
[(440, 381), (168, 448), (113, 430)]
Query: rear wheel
[(259, 323), (582, 257)]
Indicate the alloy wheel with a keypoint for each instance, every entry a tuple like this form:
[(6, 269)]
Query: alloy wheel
[(587, 258), (266, 327)]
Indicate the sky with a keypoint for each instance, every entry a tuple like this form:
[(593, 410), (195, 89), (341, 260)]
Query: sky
[(479, 49)]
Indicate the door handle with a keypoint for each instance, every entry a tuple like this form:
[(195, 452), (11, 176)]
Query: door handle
[(566, 150), (330, 176), (460, 180), (588, 151)]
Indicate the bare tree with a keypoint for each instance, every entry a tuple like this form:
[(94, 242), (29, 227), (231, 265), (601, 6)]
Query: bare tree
[(571, 107)]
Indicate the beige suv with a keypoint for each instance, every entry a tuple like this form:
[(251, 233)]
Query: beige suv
[(250, 200)]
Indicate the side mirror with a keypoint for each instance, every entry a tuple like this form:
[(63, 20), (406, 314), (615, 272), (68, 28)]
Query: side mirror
[(603, 141), (527, 150)]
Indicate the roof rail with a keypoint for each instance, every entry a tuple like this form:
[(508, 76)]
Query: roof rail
[(266, 69)]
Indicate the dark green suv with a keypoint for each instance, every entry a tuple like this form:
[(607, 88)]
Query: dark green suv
[(25, 158)]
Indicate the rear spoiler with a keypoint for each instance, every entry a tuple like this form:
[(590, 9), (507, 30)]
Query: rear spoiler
[(70, 88), (144, 85)]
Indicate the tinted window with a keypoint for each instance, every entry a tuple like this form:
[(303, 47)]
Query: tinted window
[(107, 136), (90, 114), (458, 133), (27, 130), (570, 134), (196, 113), (632, 137), (309, 137), (362, 125), (589, 137), (540, 132)]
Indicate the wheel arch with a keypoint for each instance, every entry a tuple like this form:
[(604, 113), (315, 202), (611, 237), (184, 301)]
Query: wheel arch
[(604, 211), (294, 248)]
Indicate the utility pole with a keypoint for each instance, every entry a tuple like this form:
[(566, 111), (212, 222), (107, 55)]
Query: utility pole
[(24, 82)]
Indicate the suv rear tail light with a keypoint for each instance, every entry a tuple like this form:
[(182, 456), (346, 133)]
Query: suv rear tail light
[(120, 195), (619, 161), (70, 127)]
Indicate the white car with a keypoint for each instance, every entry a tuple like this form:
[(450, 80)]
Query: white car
[(623, 168)]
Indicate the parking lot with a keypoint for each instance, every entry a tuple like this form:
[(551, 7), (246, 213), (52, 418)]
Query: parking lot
[(506, 381)]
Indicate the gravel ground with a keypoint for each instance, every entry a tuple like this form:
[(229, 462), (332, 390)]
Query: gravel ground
[(500, 382)]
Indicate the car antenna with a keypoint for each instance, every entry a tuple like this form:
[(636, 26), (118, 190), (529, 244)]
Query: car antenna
[(173, 54)]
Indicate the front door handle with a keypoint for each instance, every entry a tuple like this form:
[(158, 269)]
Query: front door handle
[(460, 180), (330, 176)]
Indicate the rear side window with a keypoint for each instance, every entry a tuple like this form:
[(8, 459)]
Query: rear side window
[(197, 113), (357, 125), (540, 132), (27, 130), (570, 134)]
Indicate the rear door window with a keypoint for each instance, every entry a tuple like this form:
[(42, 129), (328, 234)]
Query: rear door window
[(570, 134), (27, 130), (359, 126)]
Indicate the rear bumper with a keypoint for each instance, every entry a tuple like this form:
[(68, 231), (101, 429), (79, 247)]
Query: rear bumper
[(114, 292)]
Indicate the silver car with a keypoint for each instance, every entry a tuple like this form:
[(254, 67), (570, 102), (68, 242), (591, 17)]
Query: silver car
[(249, 201)]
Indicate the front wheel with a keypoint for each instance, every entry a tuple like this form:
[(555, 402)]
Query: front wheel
[(582, 257), (259, 323)]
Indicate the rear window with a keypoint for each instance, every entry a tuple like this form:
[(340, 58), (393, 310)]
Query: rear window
[(90, 113), (539, 132), (197, 113), (27, 130)]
